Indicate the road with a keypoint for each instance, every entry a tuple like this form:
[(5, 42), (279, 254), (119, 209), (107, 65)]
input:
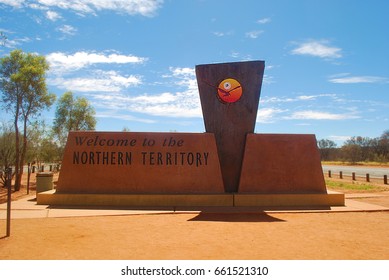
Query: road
[(359, 170)]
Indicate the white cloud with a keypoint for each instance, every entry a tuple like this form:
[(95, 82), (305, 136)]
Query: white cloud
[(14, 43), (184, 72), (317, 48), (307, 97), (13, 3), (240, 56), (36, 6), (67, 30), (317, 115), (254, 34), (61, 62), (53, 16), (222, 34), (184, 103), (101, 81), (218, 34), (264, 20), (162, 98), (268, 79), (296, 99), (338, 137), (131, 7), (122, 116), (358, 79), (267, 115)]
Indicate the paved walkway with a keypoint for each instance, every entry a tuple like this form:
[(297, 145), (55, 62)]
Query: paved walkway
[(27, 208)]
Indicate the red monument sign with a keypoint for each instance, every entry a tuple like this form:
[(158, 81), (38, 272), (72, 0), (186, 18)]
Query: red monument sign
[(228, 165)]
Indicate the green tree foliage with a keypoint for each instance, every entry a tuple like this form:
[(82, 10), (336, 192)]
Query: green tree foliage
[(72, 114), (357, 148), (42, 148), (25, 96)]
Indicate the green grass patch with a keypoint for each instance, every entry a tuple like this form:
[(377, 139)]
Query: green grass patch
[(353, 187)]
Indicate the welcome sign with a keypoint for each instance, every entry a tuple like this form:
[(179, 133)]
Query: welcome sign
[(138, 162), (229, 165)]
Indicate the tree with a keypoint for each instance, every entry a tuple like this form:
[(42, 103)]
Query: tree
[(357, 148), (43, 148), (382, 151), (327, 148), (362, 146), (352, 153), (25, 95), (326, 144), (72, 114), (7, 150)]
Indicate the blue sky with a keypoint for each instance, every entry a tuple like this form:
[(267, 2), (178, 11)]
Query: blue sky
[(326, 61)]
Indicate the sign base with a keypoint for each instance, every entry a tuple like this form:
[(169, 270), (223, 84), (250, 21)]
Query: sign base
[(193, 201)]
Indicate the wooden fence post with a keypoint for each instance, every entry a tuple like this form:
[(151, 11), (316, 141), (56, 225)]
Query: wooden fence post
[(329, 173), (385, 179), (353, 174), (340, 174), (367, 177)]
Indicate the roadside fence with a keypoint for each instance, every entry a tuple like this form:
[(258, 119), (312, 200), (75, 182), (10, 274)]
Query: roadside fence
[(357, 177)]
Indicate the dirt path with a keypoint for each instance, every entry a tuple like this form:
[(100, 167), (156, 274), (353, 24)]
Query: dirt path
[(203, 236)]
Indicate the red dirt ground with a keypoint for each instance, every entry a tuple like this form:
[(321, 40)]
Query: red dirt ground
[(201, 236)]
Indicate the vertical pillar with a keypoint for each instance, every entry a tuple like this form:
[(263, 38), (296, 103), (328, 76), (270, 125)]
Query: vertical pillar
[(230, 119)]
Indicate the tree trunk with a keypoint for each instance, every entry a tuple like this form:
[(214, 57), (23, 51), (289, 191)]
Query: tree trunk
[(23, 153), (18, 177)]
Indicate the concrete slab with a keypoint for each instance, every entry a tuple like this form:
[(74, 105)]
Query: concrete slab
[(281, 201), (133, 200), (27, 208)]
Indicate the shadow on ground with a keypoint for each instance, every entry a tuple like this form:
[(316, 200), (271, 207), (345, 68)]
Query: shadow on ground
[(235, 217)]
